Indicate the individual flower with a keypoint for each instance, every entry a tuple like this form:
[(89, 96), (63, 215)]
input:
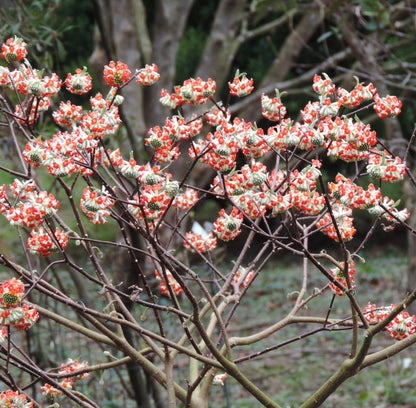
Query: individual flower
[(352, 195), (359, 94), (219, 379), (196, 124), (154, 200), (54, 392), (402, 326), (241, 85), (147, 75), (278, 136), (13, 50), (167, 153), (149, 175), (250, 204), (21, 188), (305, 180), (96, 123), (116, 74), (157, 137), (79, 83), (23, 318), (20, 317), (3, 334), (176, 128)]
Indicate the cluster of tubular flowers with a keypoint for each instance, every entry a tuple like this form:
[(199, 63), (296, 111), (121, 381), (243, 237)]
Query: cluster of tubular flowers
[(402, 326), (228, 226), (352, 195), (217, 114), (387, 107), (305, 180), (62, 155), (153, 200), (79, 83), (13, 50), (31, 115), (219, 149), (192, 91), (253, 144), (43, 241), (347, 139), (200, 242), (11, 314), (164, 139), (253, 191), (13, 399), (31, 207), (242, 278), (344, 223), (67, 369), (387, 208), (359, 94), (116, 74), (385, 167), (95, 204), (186, 200), (67, 115), (171, 281), (273, 108), (339, 275), (241, 85), (323, 86), (147, 75)]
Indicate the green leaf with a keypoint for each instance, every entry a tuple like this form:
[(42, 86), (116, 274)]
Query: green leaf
[(324, 36)]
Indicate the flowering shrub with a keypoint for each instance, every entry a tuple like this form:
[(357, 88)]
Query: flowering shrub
[(272, 189)]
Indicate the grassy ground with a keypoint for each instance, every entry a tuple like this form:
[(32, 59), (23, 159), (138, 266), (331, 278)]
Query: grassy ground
[(292, 372)]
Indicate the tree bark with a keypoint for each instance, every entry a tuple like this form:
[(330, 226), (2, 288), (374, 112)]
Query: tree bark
[(224, 40), (167, 31), (288, 54)]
